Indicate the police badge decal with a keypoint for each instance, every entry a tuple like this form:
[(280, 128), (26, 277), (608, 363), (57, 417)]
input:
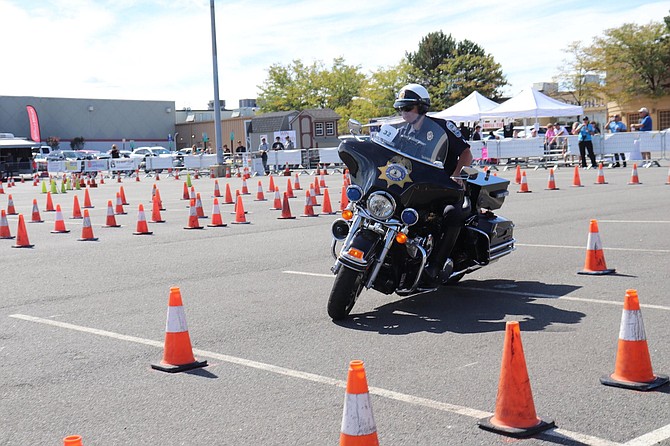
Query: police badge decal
[(396, 172)]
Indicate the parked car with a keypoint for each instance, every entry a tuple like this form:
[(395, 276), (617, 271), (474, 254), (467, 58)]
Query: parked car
[(144, 152), (62, 155)]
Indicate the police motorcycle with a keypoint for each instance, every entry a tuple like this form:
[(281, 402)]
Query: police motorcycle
[(393, 219)]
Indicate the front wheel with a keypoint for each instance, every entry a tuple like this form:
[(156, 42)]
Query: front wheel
[(346, 288)]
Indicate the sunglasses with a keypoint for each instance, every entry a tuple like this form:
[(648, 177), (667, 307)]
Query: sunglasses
[(406, 108)]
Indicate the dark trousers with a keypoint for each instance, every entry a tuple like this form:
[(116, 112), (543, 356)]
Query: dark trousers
[(583, 147), (623, 159)]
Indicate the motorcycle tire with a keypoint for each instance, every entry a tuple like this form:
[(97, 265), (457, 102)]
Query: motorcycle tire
[(346, 288)]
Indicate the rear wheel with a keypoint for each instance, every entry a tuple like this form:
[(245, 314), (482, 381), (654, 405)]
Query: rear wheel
[(346, 288)]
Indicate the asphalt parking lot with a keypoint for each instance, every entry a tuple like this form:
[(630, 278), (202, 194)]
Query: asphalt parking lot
[(81, 322)]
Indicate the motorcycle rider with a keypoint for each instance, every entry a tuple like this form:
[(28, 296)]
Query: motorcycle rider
[(413, 102)]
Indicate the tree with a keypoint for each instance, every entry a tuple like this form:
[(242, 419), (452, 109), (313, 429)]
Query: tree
[(77, 143), (53, 142), (636, 59), (451, 70), (580, 74)]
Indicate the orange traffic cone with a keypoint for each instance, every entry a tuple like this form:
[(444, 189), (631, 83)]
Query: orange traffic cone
[(176, 174), (517, 177), (344, 200), (228, 198), (217, 222), (296, 183), (289, 189), (259, 193), (309, 210), (87, 200), (240, 219), (667, 182), (156, 210), (4, 226), (87, 230), (119, 205), (50, 203), (515, 411), (595, 259), (59, 224), (601, 175), (76, 210), (200, 212), (633, 363), (245, 189), (217, 191), (72, 440), (142, 227), (178, 352), (2, 190), (11, 210), (118, 177), (192, 194), (137, 175), (551, 184), (36, 213), (322, 181), (158, 177), (524, 185), (634, 179), (123, 196), (111, 220), (358, 423), (193, 222), (185, 195), (159, 199), (277, 205), (327, 208), (286, 209), (312, 193), (22, 235), (576, 181), (102, 178), (271, 185), (317, 189)]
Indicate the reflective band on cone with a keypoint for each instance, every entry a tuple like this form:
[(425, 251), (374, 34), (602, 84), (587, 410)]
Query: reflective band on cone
[(217, 222), (633, 364), (515, 410), (178, 353), (142, 227), (59, 226), (595, 258), (358, 423), (87, 230), (5, 233), (111, 220)]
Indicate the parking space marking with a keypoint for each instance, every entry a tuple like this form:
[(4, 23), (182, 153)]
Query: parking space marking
[(651, 438), (633, 221), (390, 394), (518, 293)]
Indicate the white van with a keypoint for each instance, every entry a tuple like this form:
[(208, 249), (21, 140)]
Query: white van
[(42, 150)]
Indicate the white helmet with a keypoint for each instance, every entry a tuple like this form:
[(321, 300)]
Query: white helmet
[(413, 94)]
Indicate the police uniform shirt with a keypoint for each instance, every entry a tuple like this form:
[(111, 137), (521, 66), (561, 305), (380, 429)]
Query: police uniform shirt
[(442, 142)]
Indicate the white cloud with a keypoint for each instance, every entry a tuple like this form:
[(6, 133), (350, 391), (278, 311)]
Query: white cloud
[(161, 49)]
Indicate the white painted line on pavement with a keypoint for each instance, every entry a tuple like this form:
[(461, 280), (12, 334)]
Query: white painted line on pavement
[(633, 221), (529, 245), (519, 293), (390, 394), (651, 438)]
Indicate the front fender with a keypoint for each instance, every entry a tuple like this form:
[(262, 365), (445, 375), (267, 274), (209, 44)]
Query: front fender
[(364, 241)]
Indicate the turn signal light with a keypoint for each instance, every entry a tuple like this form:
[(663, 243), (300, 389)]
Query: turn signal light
[(401, 238), (356, 253), (347, 214)]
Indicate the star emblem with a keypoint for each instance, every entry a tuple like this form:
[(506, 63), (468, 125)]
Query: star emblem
[(395, 173)]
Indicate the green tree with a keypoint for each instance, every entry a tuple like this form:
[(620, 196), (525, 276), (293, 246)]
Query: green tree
[(451, 70), (636, 59), (580, 74), (77, 143), (53, 142)]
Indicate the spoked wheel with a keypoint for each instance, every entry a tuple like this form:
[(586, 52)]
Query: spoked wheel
[(346, 288)]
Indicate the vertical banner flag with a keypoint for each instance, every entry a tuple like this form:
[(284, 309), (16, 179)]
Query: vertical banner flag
[(34, 124)]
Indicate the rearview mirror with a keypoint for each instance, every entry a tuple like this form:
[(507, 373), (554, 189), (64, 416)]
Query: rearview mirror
[(355, 127)]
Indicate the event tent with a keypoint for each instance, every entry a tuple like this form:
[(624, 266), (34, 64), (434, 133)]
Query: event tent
[(472, 108), (531, 103)]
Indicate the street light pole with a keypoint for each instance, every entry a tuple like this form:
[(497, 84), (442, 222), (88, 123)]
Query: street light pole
[(217, 106)]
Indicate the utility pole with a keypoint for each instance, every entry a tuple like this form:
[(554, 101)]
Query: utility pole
[(217, 104)]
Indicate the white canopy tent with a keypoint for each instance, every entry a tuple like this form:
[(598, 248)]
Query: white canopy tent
[(472, 108), (531, 103)]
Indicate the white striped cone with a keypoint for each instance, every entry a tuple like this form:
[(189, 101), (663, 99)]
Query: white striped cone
[(594, 263), (634, 179), (633, 363), (358, 423), (296, 183), (178, 353), (142, 227)]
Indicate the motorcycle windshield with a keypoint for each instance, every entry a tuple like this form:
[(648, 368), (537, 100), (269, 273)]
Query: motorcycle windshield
[(406, 165)]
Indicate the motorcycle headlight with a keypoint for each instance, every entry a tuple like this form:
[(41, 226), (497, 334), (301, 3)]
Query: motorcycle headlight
[(381, 205)]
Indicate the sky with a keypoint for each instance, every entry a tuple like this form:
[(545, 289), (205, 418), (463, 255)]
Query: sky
[(161, 49)]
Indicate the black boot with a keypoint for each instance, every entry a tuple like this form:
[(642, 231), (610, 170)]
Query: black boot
[(440, 266)]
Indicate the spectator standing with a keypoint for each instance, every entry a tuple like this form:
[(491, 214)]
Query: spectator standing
[(508, 130), (115, 152), (615, 125), (277, 145), (645, 121), (289, 144), (477, 134), (263, 148), (226, 149), (240, 148), (585, 132)]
